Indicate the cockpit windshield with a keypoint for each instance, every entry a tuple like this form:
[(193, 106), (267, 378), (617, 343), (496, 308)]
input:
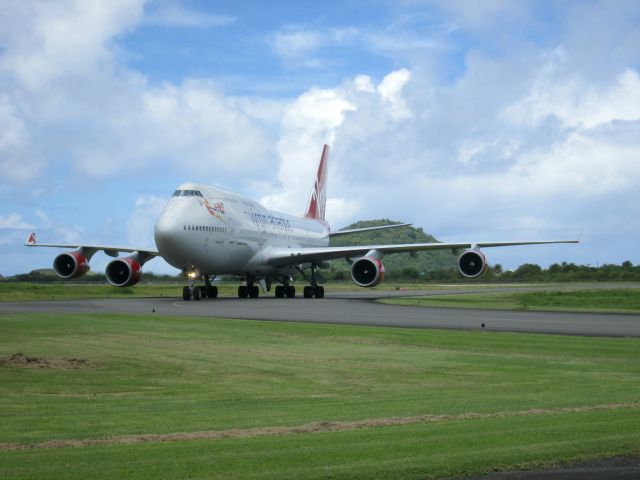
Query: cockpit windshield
[(187, 193)]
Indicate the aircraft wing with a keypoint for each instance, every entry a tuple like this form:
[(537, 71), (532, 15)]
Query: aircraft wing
[(280, 257), (111, 250)]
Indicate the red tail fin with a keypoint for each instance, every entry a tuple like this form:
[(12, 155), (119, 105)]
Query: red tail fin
[(318, 199)]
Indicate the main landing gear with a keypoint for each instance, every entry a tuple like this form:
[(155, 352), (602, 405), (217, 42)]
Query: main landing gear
[(285, 290), (313, 290), (248, 291), (310, 291)]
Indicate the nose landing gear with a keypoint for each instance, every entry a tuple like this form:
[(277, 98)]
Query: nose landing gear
[(198, 292), (186, 294)]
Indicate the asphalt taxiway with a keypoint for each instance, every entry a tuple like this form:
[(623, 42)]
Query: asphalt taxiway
[(350, 308)]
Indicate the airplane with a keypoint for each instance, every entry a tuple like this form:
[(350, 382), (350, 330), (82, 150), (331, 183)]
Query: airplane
[(207, 232)]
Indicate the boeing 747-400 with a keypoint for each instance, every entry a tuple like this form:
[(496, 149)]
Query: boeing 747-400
[(206, 231)]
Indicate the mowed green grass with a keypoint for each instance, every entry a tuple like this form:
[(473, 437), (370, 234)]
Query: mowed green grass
[(26, 291), (152, 374), (623, 300)]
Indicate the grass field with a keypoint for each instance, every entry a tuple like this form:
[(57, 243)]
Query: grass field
[(623, 300), (159, 397), (25, 291)]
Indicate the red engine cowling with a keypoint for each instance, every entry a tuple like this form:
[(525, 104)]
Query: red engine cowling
[(123, 272), (472, 263), (70, 265), (367, 272)]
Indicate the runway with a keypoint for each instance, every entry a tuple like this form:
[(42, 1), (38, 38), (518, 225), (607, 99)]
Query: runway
[(352, 309)]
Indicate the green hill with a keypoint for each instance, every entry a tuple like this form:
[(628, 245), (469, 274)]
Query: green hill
[(399, 265)]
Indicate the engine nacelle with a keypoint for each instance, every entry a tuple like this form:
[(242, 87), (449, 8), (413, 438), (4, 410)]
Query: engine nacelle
[(472, 263), (367, 272), (123, 272), (70, 265)]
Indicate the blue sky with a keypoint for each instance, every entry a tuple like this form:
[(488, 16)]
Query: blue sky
[(493, 120)]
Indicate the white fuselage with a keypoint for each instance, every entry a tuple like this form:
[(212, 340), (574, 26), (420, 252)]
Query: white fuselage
[(218, 232)]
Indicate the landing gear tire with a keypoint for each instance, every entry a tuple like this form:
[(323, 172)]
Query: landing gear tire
[(196, 293), (243, 291), (291, 291), (254, 291), (186, 294), (280, 290), (319, 291), (308, 292), (212, 292)]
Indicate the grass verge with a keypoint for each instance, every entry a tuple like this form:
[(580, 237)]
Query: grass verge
[(26, 291), (596, 300), (503, 400)]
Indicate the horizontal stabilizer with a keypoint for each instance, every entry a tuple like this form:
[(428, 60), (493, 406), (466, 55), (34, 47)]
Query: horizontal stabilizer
[(367, 229)]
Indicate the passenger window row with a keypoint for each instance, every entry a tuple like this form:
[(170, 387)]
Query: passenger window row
[(204, 228)]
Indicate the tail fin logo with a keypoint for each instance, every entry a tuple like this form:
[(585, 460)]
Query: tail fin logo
[(318, 199)]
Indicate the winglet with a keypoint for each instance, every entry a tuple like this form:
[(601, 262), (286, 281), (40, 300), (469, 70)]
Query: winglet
[(318, 198), (31, 240)]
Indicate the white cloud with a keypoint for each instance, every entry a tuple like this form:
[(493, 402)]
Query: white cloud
[(538, 138), (302, 46), (576, 103), (62, 73), (14, 220), (46, 41), (310, 47), (296, 43), (19, 161), (173, 14), (341, 210), (355, 108), (390, 89), (140, 224), (45, 221), (307, 124), (520, 146), (472, 14)]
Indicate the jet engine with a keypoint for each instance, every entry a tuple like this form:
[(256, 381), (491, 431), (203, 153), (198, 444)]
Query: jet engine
[(472, 263), (70, 265), (367, 272), (123, 272)]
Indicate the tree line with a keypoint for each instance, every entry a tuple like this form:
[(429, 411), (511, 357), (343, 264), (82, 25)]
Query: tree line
[(527, 273)]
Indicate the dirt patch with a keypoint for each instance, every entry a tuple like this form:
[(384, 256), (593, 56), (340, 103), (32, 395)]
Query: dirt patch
[(21, 360), (315, 427)]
